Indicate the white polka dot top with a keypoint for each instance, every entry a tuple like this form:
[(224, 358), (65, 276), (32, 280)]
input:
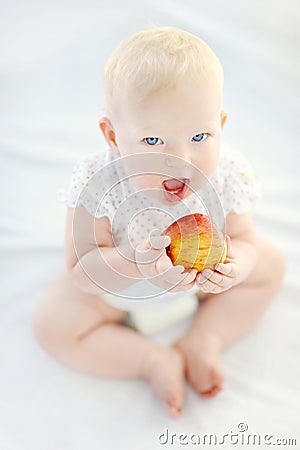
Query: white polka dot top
[(99, 183)]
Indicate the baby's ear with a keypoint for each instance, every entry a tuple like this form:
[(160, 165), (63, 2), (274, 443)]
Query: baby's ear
[(223, 118), (108, 132)]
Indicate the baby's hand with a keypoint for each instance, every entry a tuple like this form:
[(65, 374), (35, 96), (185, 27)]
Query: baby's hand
[(223, 277), (155, 266)]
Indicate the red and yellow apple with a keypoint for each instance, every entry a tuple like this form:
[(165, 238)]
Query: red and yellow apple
[(196, 242)]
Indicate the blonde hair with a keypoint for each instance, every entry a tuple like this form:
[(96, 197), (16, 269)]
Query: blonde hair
[(150, 60)]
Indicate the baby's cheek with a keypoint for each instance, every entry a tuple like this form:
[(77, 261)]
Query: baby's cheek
[(145, 181), (207, 165)]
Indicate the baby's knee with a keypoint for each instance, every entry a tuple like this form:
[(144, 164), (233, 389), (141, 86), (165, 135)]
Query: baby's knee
[(57, 324), (279, 262), (47, 330), (276, 265)]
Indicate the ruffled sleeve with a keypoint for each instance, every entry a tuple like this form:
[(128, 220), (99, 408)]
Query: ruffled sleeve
[(90, 187), (241, 187)]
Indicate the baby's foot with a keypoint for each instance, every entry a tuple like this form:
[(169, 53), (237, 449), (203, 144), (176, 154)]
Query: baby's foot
[(202, 355), (164, 369)]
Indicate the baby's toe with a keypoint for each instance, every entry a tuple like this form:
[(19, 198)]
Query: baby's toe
[(174, 402), (167, 379), (174, 411), (212, 392), (216, 383)]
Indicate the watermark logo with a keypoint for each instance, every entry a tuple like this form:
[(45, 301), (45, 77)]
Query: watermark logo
[(239, 438)]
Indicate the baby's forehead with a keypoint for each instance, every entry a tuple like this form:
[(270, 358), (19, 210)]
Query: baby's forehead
[(202, 102), (187, 96)]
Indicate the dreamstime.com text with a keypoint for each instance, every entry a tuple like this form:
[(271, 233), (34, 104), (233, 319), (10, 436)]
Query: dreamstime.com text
[(239, 437)]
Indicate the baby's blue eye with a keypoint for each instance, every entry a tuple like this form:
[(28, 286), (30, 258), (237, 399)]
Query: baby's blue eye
[(151, 140), (200, 137)]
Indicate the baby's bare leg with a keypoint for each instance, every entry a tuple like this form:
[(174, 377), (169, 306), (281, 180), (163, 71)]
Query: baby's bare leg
[(225, 317), (84, 332)]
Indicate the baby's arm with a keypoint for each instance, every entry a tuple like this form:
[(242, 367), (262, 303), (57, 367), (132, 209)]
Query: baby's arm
[(97, 266), (240, 260), (240, 229), (91, 256)]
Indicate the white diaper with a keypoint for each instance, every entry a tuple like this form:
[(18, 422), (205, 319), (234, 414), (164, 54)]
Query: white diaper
[(150, 316)]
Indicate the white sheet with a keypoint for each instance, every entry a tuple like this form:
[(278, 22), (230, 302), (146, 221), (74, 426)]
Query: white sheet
[(50, 78)]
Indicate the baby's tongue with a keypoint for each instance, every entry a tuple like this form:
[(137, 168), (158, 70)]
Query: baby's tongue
[(172, 184)]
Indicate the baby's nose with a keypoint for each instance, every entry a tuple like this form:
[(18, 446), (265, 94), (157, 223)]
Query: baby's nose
[(178, 160)]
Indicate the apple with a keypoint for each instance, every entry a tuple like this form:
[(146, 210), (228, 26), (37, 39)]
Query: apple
[(196, 242)]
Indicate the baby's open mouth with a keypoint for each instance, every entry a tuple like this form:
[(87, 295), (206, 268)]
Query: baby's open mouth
[(175, 188)]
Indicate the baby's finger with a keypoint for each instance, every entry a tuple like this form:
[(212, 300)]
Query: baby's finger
[(163, 263), (188, 277), (146, 256), (181, 287), (174, 275), (207, 286), (230, 253), (194, 273), (212, 275), (159, 242), (213, 288), (225, 269)]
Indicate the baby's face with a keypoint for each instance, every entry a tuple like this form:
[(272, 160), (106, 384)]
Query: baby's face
[(184, 122)]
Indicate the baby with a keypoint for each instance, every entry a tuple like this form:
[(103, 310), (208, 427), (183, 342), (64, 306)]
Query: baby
[(163, 123)]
